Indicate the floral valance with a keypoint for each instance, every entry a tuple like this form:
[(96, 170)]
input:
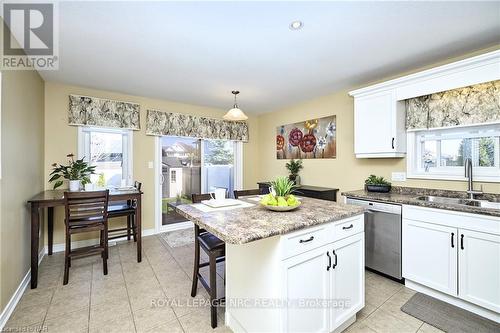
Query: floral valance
[(470, 105), (93, 111), (177, 124)]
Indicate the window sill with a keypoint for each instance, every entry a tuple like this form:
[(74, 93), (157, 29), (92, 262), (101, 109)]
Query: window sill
[(485, 179)]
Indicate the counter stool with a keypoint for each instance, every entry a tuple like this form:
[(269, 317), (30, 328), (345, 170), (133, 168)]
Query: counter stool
[(127, 209), (244, 193), (86, 212), (216, 251)]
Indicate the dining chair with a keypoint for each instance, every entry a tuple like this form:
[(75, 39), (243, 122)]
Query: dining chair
[(127, 209), (86, 212), (244, 193), (216, 250)]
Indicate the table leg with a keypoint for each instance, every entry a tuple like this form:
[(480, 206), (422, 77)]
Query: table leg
[(138, 221), (35, 229), (50, 228)]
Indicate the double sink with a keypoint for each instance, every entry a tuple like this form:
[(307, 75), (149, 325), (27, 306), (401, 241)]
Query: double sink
[(460, 201)]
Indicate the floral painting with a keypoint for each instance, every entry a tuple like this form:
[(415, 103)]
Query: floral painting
[(315, 138)]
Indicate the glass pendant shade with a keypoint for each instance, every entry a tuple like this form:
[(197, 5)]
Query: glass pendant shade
[(235, 114)]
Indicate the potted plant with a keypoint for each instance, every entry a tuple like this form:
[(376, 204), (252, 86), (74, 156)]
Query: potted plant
[(77, 172), (294, 166), (377, 184), (280, 197)]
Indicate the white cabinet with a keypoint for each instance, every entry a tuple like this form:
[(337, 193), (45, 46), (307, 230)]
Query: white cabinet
[(332, 273), (379, 126), (479, 273), (347, 278), (430, 255), (453, 256), (306, 278)]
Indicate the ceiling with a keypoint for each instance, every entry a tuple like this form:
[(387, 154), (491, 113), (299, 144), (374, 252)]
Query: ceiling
[(197, 52)]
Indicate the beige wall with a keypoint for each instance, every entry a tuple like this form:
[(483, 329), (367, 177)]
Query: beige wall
[(22, 172), (61, 139), (345, 172)]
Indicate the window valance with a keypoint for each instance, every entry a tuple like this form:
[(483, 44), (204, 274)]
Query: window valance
[(93, 111), (177, 124), (476, 104)]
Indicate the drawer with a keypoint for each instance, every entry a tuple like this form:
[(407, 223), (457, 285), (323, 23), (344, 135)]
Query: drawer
[(348, 227), (305, 240)]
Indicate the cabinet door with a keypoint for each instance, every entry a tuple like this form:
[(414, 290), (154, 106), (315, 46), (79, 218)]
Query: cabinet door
[(373, 122), (347, 279), (430, 255), (306, 278), (479, 269)]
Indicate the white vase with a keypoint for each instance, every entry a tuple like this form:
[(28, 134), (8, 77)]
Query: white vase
[(74, 185)]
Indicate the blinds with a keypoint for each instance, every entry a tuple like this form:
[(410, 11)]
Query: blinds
[(93, 111), (177, 124), (477, 104)]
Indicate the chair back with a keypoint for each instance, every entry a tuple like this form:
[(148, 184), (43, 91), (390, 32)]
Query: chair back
[(243, 193), (197, 198), (137, 185), (86, 206)]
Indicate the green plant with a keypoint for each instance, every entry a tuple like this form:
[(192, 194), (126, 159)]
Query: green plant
[(294, 166), (75, 170), (101, 181), (374, 180), (283, 186)]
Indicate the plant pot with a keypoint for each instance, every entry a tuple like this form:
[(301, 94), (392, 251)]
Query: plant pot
[(378, 188), (74, 185)]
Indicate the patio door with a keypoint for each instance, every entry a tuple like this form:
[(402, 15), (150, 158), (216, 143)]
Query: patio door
[(190, 165)]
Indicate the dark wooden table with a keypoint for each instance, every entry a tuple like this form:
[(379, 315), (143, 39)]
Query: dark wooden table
[(53, 198), (317, 192)]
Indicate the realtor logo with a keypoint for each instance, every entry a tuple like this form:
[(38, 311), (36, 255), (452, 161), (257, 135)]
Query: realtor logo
[(29, 36)]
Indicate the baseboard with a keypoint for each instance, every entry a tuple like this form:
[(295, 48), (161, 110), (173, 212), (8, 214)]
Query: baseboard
[(88, 242), (453, 300), (11, 305)]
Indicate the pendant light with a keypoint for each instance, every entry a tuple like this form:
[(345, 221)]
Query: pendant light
[(235, 114)]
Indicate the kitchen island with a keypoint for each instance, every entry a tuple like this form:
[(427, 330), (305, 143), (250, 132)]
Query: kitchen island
[(289, 271)]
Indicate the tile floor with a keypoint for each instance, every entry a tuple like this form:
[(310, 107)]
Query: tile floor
[(122, 300)]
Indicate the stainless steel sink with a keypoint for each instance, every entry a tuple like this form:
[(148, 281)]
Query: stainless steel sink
[(459, 201), (483, 204), (444, 200)]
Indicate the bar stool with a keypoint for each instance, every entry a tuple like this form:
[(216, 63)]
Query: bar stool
[(127, 209), (244, 193), (216, 251), (86, 212)]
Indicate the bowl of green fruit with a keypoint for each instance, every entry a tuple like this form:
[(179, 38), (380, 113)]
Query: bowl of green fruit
[(281, 198)]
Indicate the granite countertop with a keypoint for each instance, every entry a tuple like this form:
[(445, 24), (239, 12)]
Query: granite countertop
[(244, 225), (409, 195)]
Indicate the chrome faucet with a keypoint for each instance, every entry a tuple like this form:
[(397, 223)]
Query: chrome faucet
[(468, 175)]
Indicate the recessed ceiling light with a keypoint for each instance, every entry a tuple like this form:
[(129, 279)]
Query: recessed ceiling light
[(296, 25)]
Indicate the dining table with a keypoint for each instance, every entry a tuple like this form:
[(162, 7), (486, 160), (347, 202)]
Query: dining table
[(53, 198)]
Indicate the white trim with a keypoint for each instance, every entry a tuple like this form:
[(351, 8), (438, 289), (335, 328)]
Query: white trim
[(88, 242), (490, 58), (16, 297), (158, 183), (238, 165), (127, 143), (453, 300)]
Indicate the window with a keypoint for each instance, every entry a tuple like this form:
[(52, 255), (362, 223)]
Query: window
[(173, 176), (441, 153), (110, 150)]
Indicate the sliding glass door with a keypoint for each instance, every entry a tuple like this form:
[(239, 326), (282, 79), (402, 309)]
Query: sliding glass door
[(190, 165)]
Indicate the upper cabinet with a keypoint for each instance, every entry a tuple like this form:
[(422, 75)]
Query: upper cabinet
[(379, 122), (379, 110)]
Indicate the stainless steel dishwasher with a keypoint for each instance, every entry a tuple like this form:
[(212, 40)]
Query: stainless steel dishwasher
[(382, 236)]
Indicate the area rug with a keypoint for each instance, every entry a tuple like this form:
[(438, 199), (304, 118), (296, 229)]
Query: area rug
[(447, 317), (178, 238)]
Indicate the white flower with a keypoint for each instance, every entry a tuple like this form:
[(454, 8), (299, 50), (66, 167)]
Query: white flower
[(321, 144), (330, 129)]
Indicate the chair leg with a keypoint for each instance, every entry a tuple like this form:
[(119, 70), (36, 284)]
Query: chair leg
[(196, 266), (134, 229), (105, 250), (213, 290), (129, 226), (67, 252)]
